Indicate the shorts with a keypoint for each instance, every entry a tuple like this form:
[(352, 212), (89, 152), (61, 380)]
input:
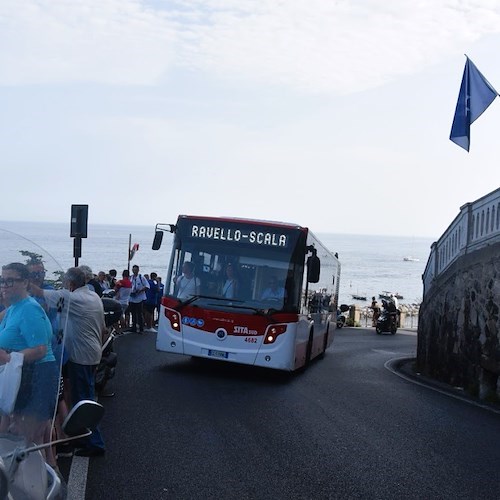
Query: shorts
[(37, 396)]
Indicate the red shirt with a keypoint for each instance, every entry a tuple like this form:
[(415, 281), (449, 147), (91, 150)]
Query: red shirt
[(125, 283)]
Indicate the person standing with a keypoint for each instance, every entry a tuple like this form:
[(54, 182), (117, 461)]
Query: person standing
[(26, 328), (90, 280), (150, 303), (161, 290), (82, 341), (111, 277), (123, 288), (137, 297), (102, 280), (395, 301), (376, 311), (37, 274)]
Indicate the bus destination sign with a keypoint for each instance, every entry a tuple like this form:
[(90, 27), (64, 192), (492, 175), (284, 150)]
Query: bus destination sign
[(264, 238)]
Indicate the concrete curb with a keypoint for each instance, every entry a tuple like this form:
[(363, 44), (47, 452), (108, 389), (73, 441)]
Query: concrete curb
[(402, 367)]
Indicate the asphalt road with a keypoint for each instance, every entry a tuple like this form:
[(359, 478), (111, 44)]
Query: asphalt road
[(180, 428)]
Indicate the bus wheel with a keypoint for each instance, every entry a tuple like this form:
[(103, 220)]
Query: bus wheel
[(325, 343), (309, 348)]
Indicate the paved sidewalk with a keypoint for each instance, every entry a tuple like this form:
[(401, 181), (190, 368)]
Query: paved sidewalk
[(404, 367)]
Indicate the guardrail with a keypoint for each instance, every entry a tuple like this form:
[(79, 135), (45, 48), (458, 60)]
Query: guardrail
[(476, 226)]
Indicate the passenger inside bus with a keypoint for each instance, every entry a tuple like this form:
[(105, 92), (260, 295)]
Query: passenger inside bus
[(231, 285), (273, 291), (187, 284)]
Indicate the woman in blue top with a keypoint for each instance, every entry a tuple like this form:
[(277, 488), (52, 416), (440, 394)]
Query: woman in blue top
[(25, 328)]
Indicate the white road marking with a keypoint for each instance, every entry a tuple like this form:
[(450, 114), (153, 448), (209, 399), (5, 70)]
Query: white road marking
[(381, 351), (77, 482)]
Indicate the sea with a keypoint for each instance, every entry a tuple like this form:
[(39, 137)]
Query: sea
[(371, 264)]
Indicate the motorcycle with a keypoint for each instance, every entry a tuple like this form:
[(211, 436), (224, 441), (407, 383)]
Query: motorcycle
[(341, 319), (106, 368), (387, 322), (23, 472)]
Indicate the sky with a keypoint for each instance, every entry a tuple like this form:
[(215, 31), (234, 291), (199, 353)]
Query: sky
[(333, 114)]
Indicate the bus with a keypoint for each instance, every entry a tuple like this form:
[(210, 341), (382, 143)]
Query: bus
[(247, 291)]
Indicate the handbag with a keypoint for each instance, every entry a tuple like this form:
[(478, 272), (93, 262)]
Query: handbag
[(10, 381)]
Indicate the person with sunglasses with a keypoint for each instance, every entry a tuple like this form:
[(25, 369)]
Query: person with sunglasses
[(26, 328), (37, 274)]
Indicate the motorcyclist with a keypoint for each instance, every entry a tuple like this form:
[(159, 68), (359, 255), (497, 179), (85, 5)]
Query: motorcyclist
[(376, 311), (394, 299)]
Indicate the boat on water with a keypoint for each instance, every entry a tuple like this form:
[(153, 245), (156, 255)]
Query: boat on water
[(409, 258), (355, 296), (387, 295)]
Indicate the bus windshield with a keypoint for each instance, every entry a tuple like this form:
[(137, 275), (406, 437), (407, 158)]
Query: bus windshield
[(235, 265)]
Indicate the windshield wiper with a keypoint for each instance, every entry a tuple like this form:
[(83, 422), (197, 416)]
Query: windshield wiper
[(260, 312), (193, 298)]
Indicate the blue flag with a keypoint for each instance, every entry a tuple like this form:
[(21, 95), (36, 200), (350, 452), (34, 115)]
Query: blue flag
[(476, 94)]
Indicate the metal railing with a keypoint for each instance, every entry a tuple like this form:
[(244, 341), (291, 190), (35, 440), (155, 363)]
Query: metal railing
[(476, 226), (408, 318)]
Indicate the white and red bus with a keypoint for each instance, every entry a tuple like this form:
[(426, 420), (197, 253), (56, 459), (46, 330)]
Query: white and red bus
[(275, 308)]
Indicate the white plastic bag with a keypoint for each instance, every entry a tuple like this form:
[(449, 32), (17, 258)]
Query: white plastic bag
[(10, 380)]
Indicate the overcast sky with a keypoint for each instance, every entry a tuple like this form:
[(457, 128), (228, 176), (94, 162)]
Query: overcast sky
[(334, 114)]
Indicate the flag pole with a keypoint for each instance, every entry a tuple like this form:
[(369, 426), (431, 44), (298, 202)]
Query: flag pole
[(128, 255)]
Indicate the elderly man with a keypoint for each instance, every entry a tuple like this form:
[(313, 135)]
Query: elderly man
[(82, 341)]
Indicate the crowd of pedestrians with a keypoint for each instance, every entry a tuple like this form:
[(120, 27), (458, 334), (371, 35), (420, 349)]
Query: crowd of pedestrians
[(65, 328), (139, 295)]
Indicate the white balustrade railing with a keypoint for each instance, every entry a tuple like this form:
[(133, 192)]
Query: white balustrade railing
[(476, 226)]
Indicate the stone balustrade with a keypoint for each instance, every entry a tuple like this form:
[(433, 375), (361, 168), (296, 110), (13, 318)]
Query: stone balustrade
[(459, 320), (476, 226)]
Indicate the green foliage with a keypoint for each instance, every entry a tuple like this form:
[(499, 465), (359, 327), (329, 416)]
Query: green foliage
[(32, 257), (57, 281), (351, 322), (35, 258)]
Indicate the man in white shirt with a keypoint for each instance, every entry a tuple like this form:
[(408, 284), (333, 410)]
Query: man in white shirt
[(187, 285), (137, 297), (395, 300), (396, 305), (273, 291), (82, 341)]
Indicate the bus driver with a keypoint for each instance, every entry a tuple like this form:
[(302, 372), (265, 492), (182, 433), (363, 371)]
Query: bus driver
[(273, 291), (187, 285)]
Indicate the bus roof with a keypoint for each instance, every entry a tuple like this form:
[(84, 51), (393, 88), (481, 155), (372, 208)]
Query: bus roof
[(269, 223)]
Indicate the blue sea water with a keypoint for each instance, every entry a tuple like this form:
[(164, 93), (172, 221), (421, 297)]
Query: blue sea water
[(370, 264)]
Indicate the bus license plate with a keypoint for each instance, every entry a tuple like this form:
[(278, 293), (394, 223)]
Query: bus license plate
[(217, 354)]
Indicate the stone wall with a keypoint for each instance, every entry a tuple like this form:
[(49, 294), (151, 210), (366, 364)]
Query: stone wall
[(459, 325)]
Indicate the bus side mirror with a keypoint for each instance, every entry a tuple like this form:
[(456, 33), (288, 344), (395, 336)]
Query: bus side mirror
[(158, 239), (313, 267)]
